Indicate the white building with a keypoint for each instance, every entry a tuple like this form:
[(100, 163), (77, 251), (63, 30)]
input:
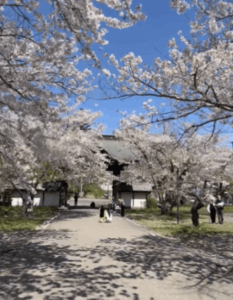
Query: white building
[(43, 197), (133, 196)]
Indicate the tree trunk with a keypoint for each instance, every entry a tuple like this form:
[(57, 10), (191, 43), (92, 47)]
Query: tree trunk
[(164, 208), (24, 208)]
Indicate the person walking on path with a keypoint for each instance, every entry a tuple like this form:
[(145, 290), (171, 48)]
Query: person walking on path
[(220, 206)]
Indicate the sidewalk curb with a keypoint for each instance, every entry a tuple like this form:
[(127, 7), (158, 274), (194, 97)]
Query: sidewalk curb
[(46, 223)]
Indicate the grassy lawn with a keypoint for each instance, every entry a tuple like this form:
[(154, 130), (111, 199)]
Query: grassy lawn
[(11, 219), (167, 225)]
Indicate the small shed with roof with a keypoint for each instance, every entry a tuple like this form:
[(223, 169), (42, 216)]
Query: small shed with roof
[(47, 194), (133, 195)]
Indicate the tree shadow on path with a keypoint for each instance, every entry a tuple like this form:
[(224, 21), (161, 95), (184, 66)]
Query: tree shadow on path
[(78, 214), (37, 268)]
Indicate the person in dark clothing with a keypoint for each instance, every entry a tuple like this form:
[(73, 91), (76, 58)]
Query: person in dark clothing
[(122, 210), (103, 215), (101, 211), (194, 211), (92, 205), (212, 211), (195, 217), (219, 206), (76, 199)]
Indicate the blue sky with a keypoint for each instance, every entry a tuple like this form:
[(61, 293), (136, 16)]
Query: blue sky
[(147, 39)]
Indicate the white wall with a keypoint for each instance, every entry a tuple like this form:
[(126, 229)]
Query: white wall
[(16, 199), (140, 199), (127, 197), (50, 199), (38, 199)]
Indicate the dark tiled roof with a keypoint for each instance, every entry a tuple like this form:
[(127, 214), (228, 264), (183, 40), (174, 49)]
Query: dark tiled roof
[(135, 187), (8, 186), (117, 150)]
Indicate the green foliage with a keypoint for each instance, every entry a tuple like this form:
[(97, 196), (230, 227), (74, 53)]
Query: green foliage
[(151, 203), (11, 218), (166, 224), (73, 188), (93, 189), (46, 173)]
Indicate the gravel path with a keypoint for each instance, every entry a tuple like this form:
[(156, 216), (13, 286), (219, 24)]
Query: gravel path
[(78, 258)]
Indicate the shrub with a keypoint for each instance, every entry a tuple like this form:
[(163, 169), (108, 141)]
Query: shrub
[(151, 203)]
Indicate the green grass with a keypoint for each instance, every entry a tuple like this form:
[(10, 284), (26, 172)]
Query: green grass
[(167, 225), (11, 218)]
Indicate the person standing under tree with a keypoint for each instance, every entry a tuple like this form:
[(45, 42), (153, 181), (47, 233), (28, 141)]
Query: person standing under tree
[(76, 199), (212, 212), (194, 212), (220, 205), (30, 202)]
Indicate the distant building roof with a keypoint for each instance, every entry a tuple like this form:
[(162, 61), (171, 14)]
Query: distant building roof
[(8, 186), (134, 187), (142, 187), (117, 150)]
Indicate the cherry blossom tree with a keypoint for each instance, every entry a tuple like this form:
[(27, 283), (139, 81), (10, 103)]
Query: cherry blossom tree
[(39, 54), (41, 83), (41, 49), (177, 169), (196, 80), (58, 151)]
